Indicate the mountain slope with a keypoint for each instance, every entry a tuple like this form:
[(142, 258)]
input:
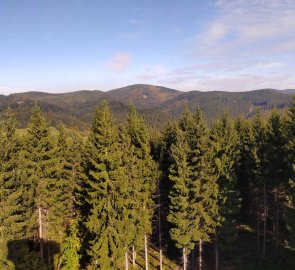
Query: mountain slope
[(155, 103), (144, 96)]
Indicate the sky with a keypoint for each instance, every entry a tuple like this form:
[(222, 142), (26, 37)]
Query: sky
[(67, 45)]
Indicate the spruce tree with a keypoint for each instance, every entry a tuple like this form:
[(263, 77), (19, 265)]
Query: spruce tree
[(61, 188), (40, 177), (105, 179), (223, 140), (13, 213), (147, 174), (203, 186), (131, 194), (260, 132), (69, 259), (276, 167), (200, 182), (180, 213), (247, 167), (289, 205)]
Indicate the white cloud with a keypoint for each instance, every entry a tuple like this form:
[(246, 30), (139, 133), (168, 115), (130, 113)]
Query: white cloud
[(217, 30), (240, 82), (134, 21), (246, 28), (4, 90), (151, 73), (120, 62)]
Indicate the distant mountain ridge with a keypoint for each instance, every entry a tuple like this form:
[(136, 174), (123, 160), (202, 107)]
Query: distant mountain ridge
[(155, 103)]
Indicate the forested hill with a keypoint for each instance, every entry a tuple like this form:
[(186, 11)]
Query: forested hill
[(157, 104)]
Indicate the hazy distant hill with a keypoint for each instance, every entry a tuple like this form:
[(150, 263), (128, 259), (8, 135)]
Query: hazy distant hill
[(289, 91), (156, 103), (144, 96)]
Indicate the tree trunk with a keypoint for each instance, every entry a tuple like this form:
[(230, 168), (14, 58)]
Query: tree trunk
[(200, 254), (277, 219), (160, 230), (264, 218), (40, 233), (48, 252), (184, 258), (161, 259), (258, 224), (126, 260), (133, 256), (216, 253), (274, 215), (146, 253)]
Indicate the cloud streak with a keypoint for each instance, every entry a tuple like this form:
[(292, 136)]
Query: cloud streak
[(248, 28), (120, 62)]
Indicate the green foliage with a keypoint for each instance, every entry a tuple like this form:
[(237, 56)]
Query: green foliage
[(276, 150), (145, 176), (180, 210), (193, 206), (289, 207), (105, 180), (70, 258), (247, 166), (162, 104), (13, 213), (97, 195), (223, 140)]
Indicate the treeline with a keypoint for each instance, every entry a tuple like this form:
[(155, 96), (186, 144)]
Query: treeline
[(73, 202)]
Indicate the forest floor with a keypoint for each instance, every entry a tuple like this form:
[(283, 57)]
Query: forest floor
[(246, 255), (154, 261)]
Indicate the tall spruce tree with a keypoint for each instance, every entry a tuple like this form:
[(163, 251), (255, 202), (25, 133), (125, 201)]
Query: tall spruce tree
[(260, 132), (147, 173), (276, 167), (247, 167), (180, 213), (70, 258), (131, 209), (40, 177), (289, 205), (105, 179), (203, 186), (13, 212), (62, 206), (223, 140), (200, 182)]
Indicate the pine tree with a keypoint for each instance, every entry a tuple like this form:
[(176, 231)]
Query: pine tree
[(182, 230), (62, 206), (131, 207), (203, 186), (147, 173), (69, 259), (276, 166), (165, 185), (40, 177), (105, 179), (247, 167), (223, 139), (289, 206), (259, 132), (13, 215)]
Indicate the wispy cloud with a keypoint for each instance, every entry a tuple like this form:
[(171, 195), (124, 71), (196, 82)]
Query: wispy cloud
[(120, 62), (248, 28), (151, 73), (4, 90), (240, 82), (135, 21)]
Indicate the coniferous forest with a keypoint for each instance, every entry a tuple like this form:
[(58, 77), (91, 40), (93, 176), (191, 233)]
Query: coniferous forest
[(191, 196)]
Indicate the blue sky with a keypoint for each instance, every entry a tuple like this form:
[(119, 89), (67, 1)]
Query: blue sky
[(67, 45)]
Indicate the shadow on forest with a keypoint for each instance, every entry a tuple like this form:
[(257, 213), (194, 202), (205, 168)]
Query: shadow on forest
[(25, 254)]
